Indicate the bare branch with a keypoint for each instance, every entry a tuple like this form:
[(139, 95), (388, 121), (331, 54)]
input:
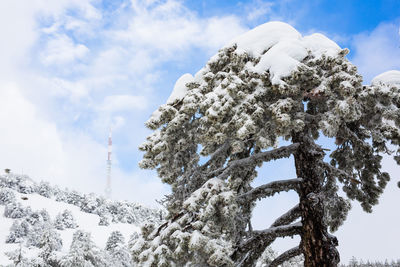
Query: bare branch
[(274, 154), (270, 189), (287, 255), (288, 217)]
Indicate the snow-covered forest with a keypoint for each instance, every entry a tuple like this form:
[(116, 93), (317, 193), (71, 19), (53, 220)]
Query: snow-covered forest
[(43, 225)]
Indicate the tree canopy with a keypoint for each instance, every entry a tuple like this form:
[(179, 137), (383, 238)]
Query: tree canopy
[(268, 85)]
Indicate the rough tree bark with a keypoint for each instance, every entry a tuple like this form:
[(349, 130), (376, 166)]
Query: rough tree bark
[(317, 245)]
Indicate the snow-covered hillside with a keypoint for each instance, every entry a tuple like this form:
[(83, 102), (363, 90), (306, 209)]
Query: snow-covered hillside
[(41, 224)]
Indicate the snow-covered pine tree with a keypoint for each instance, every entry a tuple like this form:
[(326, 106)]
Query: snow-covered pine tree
[(15, 210), (50, 242), (6, 196), (83, 252), (44, 189), (65, 220), (18, 231), (118, 251), (19, 259), (218, 126)]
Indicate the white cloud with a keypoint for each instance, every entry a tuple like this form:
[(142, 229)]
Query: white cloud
[(169, 26), (27, 142), (259, 9), (377, 51), (34, 146), (62, 50), (115, 103)]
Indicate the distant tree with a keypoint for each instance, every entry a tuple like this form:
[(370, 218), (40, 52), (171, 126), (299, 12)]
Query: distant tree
[(83, 252), (50, 242), (18, 258), (15, 210), (74, 198), (269, 85), (65, 220), (44, 189), (353, 262), (18, 231), (118, 251), (26, 185), (59, 194), (6, 196), (45, 215), (89, 203)]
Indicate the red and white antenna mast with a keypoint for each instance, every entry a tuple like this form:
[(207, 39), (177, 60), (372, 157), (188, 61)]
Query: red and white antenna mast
[(108, 185)]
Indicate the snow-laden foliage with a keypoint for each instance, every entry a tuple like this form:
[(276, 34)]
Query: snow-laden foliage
[(65, 220), (269, 255), (118, 251), (269, 84), (15, 210), (45, 189), (192, 238), (19, 230), (360, 263), (108, 210), (50, 242), (6, 196), (83, 252), (44, 239)]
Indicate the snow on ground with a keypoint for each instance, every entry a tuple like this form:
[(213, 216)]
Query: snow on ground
[(5, 224), (86, 221)]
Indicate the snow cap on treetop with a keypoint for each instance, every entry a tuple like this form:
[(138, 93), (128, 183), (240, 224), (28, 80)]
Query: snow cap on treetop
[(391, 77), (280, 47), (180, 88)]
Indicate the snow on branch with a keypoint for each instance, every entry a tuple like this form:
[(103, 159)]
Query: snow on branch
[(220, 151), (269, 235), (285, 256), (289, 217), (280, 231), (278, 153), (270, 189)]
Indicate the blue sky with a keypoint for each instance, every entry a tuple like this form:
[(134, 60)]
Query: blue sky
[(70, 69)]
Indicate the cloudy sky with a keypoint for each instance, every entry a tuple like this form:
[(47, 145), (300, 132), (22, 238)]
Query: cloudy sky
[(70, 69)]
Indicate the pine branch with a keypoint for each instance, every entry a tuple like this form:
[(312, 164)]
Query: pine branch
[(261, 244), (278, 153), (261, 239), (336, 172), (280, 231), (289, 217), (216, 154), (270, 189), (287, 255)]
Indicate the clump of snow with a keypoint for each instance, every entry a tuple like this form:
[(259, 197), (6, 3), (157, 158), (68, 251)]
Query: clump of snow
[(391, 77), (281, 48), (180, 88), (255, 41)]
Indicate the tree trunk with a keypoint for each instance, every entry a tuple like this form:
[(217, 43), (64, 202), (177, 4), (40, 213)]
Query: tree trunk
[(318, 246)]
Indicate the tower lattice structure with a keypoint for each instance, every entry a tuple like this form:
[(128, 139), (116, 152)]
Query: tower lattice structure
[(108, 185)]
